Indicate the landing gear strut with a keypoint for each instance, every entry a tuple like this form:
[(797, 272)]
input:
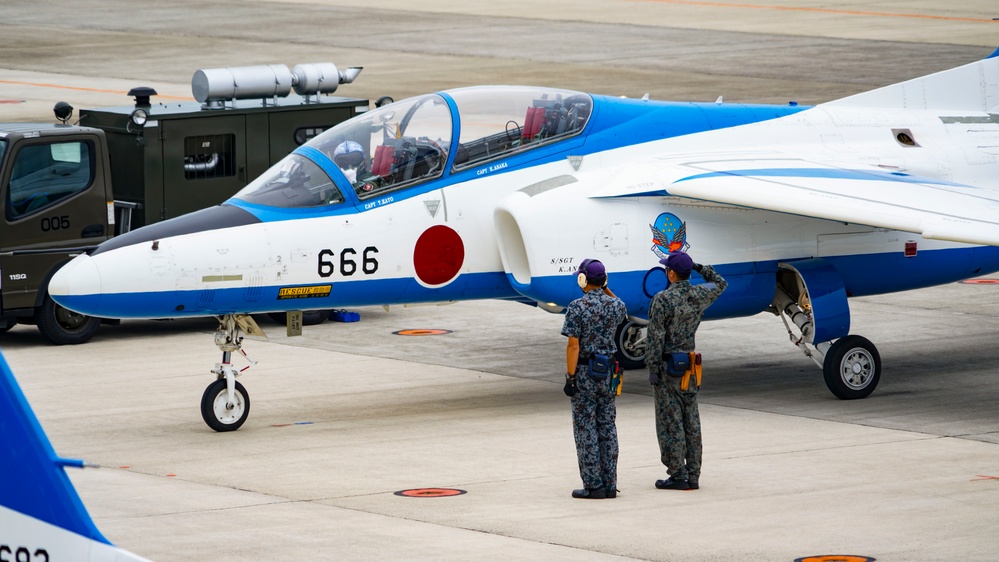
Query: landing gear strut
[(225, 404), (851, 365)]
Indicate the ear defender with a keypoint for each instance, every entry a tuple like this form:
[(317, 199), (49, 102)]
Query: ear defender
[(582, 280)]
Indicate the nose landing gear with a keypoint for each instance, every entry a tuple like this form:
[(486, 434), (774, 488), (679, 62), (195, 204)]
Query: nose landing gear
[(225, 404)]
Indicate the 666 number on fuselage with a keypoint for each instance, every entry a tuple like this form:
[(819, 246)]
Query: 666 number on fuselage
[(348, 262)]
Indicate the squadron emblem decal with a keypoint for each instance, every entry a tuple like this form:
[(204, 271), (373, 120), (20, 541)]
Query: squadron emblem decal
[(669, 234)]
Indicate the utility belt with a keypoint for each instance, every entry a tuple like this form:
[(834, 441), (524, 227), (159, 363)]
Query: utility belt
[(604, 367), (684, 365)]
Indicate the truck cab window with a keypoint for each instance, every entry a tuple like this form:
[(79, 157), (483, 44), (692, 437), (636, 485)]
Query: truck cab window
[(44, 174)]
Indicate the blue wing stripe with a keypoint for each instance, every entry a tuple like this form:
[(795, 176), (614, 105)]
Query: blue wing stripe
[(823, 173)]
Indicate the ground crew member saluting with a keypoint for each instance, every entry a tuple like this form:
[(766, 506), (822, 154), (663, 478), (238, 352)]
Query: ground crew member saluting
[(674, 316), (590, 322)]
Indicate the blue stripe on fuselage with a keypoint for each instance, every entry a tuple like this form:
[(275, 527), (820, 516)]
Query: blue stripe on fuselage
[(751, 287)]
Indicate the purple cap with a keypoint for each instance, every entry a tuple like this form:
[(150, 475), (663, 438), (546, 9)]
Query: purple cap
[(593, 269), (679, 262)]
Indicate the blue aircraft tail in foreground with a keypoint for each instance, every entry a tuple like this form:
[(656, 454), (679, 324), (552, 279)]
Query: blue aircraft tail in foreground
[(41, 516)]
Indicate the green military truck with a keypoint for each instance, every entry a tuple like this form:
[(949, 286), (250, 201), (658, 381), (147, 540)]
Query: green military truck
[(67, 188)]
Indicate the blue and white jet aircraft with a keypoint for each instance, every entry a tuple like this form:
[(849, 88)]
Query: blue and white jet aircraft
[(500, 192), (41, 516)]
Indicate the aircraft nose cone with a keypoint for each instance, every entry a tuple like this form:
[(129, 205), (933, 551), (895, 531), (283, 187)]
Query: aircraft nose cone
[(77, 286)]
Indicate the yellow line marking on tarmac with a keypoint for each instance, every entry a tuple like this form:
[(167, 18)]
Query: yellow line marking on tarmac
[(82, 89), (818, 10)]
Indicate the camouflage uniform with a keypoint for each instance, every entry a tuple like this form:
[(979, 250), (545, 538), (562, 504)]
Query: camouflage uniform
[(593, 318), (674, 316)]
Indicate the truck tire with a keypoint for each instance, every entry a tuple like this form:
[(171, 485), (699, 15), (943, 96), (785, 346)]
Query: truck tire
[(64, 327)]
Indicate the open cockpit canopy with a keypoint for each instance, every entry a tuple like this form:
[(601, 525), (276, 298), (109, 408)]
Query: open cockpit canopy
[(412, 141)]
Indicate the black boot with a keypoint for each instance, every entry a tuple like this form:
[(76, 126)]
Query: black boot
[(672, 484), (588, 494)]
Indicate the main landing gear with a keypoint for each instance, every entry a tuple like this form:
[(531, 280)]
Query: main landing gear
[(851, 365), (225, 404)]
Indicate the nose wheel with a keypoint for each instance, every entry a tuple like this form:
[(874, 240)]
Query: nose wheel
[(218, 412)]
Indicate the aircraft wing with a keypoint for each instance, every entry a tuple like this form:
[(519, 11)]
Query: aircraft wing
[(861, 194)]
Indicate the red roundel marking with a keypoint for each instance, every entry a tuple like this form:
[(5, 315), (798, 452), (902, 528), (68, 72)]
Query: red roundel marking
[(439, 255), (430, 492), (981, 281), (421, 332)]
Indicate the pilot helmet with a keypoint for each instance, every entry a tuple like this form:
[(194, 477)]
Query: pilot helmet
[(348, 154)]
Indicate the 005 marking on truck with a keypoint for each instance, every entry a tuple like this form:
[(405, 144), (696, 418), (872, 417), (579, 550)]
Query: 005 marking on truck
[(55, 223)]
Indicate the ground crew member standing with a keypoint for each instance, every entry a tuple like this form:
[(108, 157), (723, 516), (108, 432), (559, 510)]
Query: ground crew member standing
[(674, 316), (590, 323)]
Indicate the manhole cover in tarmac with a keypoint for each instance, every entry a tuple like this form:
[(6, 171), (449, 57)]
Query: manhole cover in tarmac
[(430, 492), (835, 558), (421, 332)]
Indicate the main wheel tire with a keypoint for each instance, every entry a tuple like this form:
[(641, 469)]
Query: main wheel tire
[(852, 368), (630, 345), (309, 317), (215, 411), (62, 326)]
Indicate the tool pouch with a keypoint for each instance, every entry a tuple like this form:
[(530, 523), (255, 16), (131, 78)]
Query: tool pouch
[(677, 364), (616, 379), (694, 372), (600, 366)]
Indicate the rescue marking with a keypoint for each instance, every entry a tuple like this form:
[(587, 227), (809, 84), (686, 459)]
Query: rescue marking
[(308, 292), (12, 101), (984, 477), (981, 281), (836, 558), (418, 332), (430, 492)]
